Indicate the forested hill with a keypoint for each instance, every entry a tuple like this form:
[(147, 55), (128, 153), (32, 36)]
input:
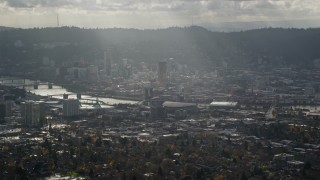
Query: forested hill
[(3, 28), (194, 45)]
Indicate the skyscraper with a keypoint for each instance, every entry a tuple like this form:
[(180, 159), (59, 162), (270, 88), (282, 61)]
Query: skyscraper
[(30, 112), (148, 93), (93, 73), (107, 61), (162, 73)]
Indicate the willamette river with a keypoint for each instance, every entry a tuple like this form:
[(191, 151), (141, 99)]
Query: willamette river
[(43, 90)]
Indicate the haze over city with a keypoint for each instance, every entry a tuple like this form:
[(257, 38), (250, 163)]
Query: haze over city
[(160, 89)]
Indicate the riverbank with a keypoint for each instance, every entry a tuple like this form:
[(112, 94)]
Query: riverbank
[(65, 88)]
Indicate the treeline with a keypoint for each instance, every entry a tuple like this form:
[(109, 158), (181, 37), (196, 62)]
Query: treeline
[(193, 45)]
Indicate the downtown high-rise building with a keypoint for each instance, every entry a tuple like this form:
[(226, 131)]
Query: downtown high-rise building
[(162, 73), (107, 61), (30, 112)]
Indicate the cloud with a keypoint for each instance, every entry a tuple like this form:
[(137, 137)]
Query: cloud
[(38, 3), (163, 12)]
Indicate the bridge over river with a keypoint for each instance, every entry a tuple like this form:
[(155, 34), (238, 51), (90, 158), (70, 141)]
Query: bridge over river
[(50, 90), (8, 81)]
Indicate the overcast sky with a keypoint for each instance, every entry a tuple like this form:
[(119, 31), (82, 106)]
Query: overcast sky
[(158, 13)]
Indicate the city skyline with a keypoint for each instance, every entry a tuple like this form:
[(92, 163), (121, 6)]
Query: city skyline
[(172, 103), (152, 14)]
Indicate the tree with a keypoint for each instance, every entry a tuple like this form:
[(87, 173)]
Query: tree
[(59, 138), (94, 157), (246, 145), (186, 177), (243, 176), (98, 142), (257, 170), (307, 165), (194, 142), (124, 141), (91, 173), (36, 168), (134, 177), (225, 153), (169, 152), (21, 173), (200, 174), (160, 171), (55, 159), (72, 151), (148, 154)]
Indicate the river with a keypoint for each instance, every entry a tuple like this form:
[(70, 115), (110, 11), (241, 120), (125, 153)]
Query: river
[(43, 90)]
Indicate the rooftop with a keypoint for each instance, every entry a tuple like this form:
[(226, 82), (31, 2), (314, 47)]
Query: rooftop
[(171, 104), (223, 104)]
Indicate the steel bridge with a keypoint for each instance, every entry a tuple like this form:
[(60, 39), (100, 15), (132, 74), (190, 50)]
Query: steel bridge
[(81, 100), (22, 83)]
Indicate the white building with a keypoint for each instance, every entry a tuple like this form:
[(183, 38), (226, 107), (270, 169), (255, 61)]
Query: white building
[(71, 107)]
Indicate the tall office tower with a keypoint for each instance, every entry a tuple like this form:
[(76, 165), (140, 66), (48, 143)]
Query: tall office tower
[(162, 73), (107, 61), (30, 112), (71, 107), (148, 93), (125, 68), (93, 73)]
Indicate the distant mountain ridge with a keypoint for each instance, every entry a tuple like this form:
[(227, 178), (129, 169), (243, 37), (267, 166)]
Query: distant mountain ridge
[(3, 28), (192, 45)]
